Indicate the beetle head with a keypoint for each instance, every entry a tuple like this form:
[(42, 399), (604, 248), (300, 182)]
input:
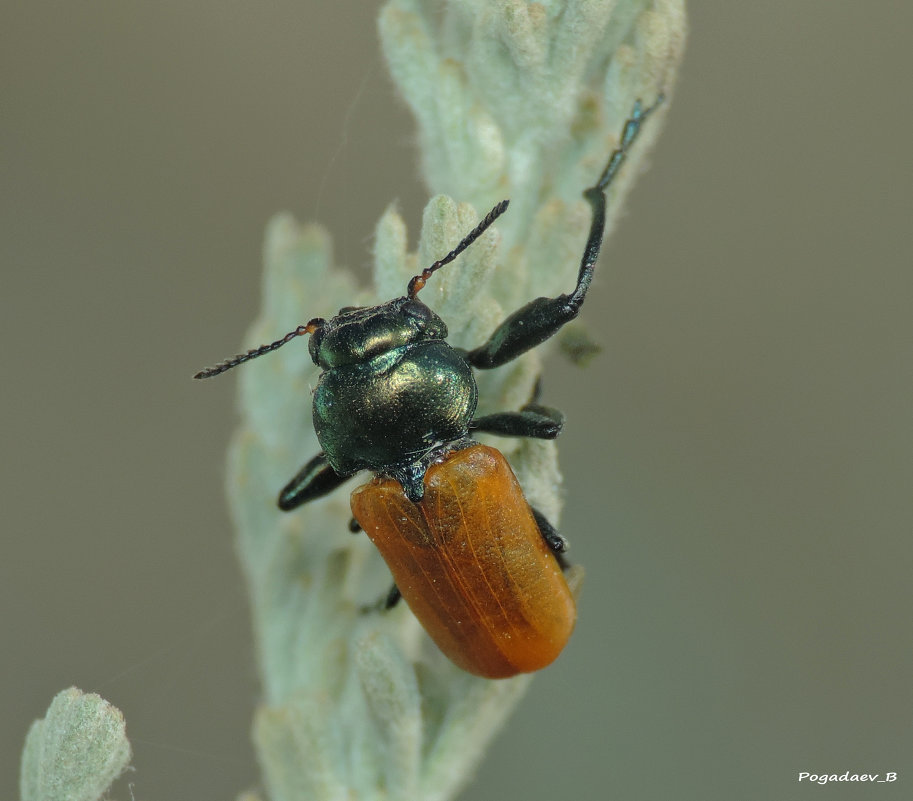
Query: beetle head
[(358, 334)]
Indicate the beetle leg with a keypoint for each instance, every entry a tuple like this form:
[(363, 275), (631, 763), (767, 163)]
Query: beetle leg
[(556, 543), (391, 599), (533, 420), (542, 318), (354, 525), (314, 480)]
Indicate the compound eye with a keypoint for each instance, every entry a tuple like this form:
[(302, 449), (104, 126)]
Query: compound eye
[(418, 313), (314, 344), (348, 309), (425, 321)]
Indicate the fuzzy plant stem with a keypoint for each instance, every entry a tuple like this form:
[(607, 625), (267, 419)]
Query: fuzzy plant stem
[(513, 100)]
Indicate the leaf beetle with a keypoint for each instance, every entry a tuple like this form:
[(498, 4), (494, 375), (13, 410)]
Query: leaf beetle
[(479, 567)]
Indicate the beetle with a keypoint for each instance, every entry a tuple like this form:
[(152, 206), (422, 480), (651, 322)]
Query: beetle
[(479, 567)]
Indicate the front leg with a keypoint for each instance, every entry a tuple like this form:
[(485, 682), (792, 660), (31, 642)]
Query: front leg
[(312, 481), (543, 317)]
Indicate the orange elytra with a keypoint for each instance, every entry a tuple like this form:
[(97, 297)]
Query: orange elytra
[(471, 563)]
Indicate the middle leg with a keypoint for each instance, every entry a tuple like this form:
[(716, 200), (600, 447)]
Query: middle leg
[(533, 420)]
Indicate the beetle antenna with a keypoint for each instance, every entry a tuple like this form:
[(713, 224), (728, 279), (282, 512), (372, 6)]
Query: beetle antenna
[(234, 361), (419, 281)]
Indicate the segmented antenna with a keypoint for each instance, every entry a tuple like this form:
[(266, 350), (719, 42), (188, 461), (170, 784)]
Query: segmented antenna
[(234, 361), (419, 281)]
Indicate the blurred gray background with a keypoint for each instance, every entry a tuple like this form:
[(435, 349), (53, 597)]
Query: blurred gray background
[(738, 460)]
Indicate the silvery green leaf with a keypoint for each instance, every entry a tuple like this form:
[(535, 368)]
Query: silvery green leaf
[(75, 751)]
